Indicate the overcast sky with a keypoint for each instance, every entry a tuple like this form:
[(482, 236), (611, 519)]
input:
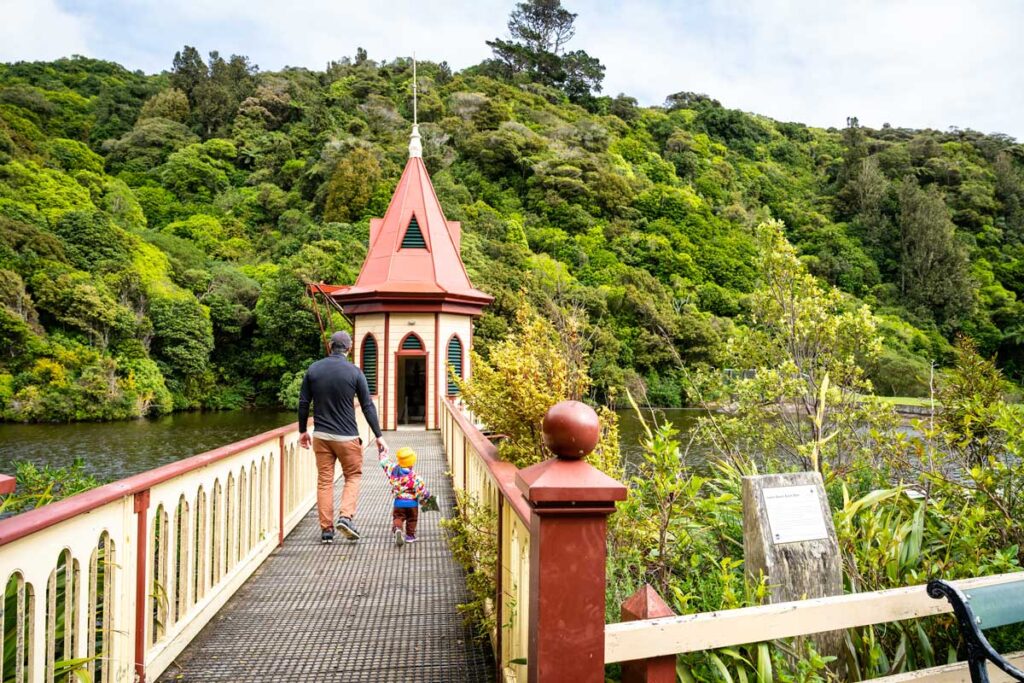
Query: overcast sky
[(913, 63)]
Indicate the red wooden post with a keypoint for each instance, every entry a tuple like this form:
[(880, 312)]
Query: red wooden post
[(570, 501), (6, 484), (647, 604), (141, 531)]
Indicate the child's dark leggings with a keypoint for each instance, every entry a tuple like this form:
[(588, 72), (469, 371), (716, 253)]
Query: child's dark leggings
[(408, 515)]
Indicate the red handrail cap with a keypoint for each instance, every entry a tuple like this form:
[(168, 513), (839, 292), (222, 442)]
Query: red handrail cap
[(571, 482), (571, 430)]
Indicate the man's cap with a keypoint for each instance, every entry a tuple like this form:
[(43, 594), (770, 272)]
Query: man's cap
[(341, 340)]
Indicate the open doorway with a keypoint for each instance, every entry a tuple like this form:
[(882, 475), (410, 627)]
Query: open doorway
[(412, 390)]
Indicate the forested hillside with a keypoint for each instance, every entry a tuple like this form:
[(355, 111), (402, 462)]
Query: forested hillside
[(157, 232)]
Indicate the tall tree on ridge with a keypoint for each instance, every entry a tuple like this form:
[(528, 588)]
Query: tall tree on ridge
[(188, 71), (540, 30), (215, 89), (543, 25)]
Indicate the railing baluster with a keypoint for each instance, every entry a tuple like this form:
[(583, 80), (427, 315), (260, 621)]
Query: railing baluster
[(27, 662), (141, 571), (51, 623)]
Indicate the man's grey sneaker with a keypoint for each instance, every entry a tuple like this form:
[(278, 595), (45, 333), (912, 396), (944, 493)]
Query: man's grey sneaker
[(399, 536), (410, 539), (346, 527), (327, 536)]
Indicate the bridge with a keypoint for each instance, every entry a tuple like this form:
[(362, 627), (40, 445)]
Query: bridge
[(210, 569)]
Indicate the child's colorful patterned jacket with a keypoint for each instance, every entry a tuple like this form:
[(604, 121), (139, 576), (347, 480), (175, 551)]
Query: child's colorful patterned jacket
[(407, 486)]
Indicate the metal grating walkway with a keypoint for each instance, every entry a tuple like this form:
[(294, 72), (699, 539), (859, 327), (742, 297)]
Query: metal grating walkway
[(365, 611)]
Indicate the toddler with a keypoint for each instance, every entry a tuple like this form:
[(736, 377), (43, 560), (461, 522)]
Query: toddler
[(408, 489)]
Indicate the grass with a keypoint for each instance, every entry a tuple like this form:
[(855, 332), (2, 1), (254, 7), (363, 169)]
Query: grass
[(922, 402)]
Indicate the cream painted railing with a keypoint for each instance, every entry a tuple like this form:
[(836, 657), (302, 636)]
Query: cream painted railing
[(476, 470), (711, 630), (125, 575)]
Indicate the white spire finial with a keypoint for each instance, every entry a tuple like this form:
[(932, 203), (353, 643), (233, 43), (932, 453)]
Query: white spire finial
[(415, 146)]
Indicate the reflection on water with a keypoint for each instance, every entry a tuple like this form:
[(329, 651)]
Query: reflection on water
[(631, 432), (113, 450)]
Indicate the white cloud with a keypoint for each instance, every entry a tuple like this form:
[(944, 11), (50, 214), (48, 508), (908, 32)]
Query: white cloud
[(912, 63), (39, 30)]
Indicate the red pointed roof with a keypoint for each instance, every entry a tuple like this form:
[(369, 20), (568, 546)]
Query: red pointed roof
[(428, 277)]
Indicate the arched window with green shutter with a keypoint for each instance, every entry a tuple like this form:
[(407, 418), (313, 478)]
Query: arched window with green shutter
[(369, 362), (412, 343), (454, 364), (413, 238)]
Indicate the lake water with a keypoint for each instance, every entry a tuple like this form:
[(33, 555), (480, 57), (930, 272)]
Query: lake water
[(631, 431), (114, 450)]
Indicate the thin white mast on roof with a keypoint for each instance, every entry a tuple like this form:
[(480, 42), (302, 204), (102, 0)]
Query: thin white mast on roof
[(415, 146)]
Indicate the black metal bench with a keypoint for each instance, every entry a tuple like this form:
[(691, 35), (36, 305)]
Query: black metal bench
[(980, 609)]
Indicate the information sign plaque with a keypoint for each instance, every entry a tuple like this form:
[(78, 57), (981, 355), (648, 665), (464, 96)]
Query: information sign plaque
[(794, 514)]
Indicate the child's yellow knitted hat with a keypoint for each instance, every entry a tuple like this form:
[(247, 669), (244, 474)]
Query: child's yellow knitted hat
[(406, 456)]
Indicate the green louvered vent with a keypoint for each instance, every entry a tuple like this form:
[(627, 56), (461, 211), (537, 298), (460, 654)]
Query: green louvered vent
[(413, 236), (412, 343), (454, 364), (370, 363)]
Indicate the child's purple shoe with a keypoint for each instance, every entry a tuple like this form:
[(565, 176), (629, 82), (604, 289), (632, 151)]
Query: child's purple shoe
[(410, 539)]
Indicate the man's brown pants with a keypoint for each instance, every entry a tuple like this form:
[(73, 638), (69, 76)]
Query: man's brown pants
[(408, 515), (350, 454)]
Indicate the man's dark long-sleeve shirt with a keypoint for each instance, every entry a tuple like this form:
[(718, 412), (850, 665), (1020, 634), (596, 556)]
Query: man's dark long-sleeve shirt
[(331, 383)]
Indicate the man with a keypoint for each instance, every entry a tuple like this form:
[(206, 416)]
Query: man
[(331, 383)]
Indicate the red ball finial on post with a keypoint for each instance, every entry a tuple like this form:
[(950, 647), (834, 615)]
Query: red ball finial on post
[(571, 430)]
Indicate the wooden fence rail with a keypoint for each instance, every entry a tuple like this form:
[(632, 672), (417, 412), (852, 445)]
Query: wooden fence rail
[(673, 635), (711, 630)]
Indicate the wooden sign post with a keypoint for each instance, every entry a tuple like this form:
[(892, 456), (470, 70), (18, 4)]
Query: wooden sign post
[(789, 538)]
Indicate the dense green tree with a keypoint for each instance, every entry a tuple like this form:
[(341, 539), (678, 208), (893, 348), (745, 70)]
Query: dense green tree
[(864, 197), (214, 89), (91, 241), (171, 104), (199, 171), (352, 186), (1009, 189), (182, 336), (188, 71), (76, 302), (934, 275), (147, 145), (218, 97)]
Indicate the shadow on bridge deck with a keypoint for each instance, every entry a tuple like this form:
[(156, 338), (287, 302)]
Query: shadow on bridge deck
[(364, 611)]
